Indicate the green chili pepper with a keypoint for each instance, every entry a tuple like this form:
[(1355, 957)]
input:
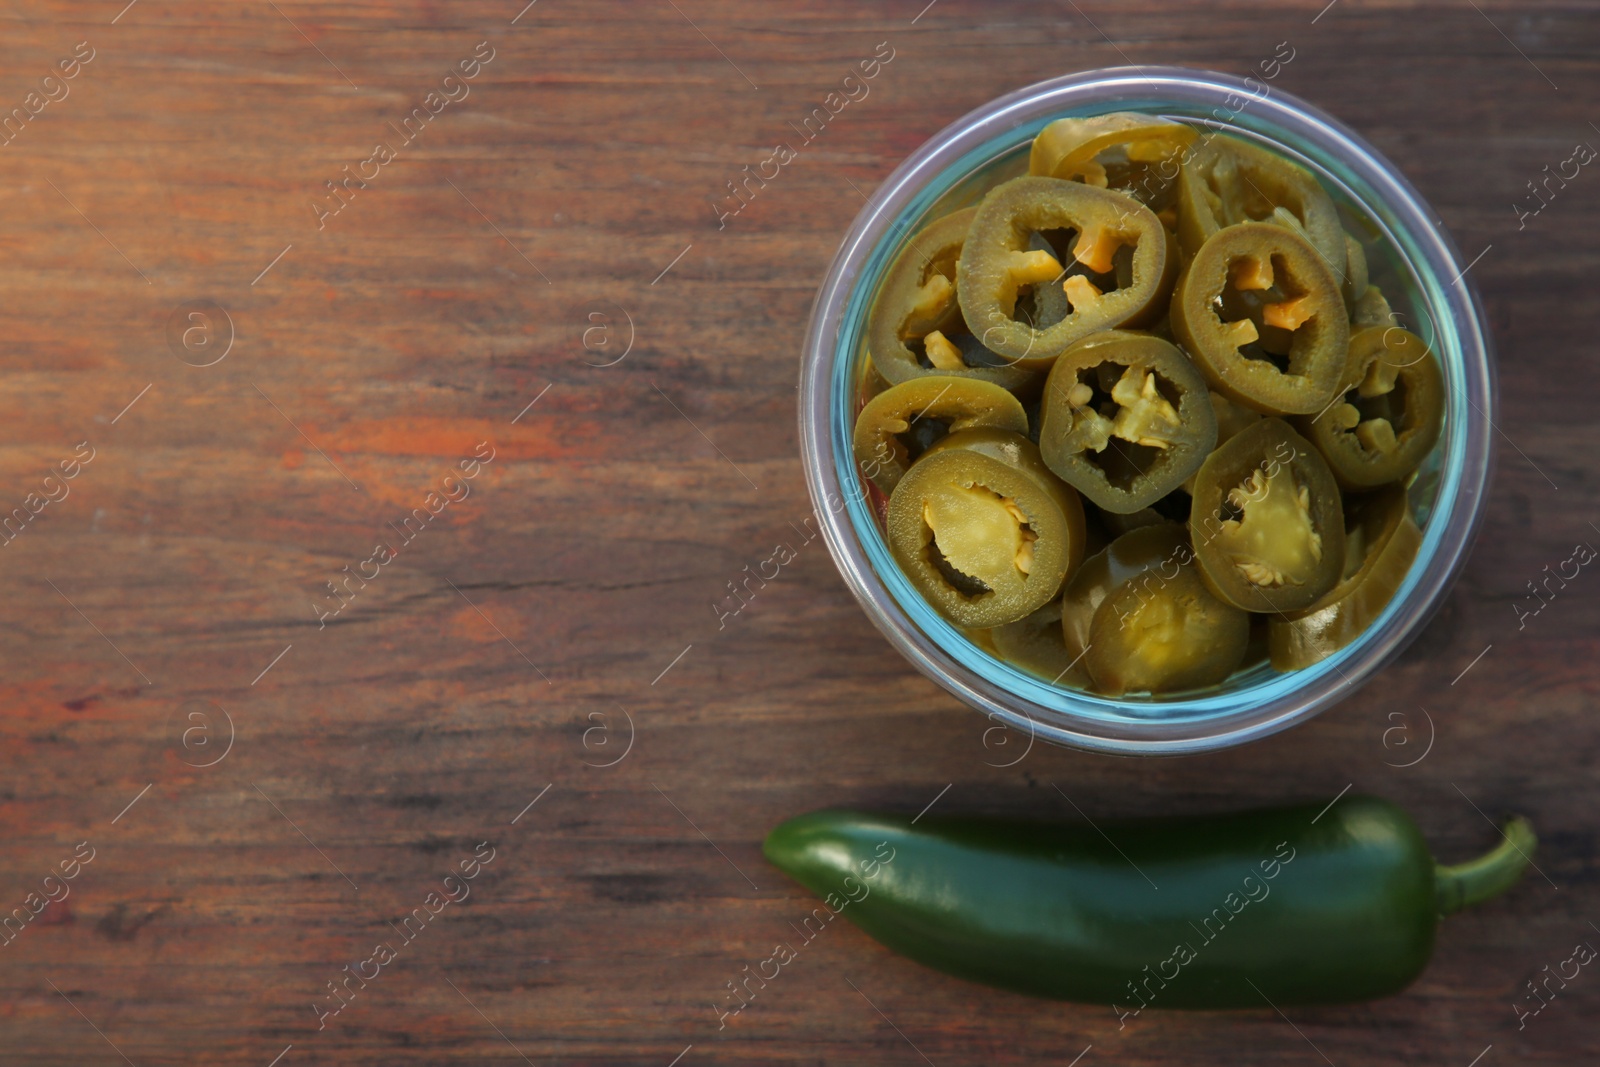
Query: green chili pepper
[(1260, 314), (1125, 419), (900, 423), (916, 327), (1125, 150), (1228, 180), (1296, 905), (1381, 542), (1267, 524), (983, 529), (1390, 411), (1105, 286)]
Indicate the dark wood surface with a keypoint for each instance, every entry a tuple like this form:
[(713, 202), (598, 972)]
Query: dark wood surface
[(532, 621)]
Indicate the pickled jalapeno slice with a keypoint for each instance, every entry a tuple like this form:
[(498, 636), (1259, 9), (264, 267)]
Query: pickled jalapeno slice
[(1163, 633), (1275, 189), (1262, 317), (1127, 556), (1143, 621), (1228, 181), (1381, 542), (903, 421), (1125, 419), (916, 328), (1371, 309), (1389, 415), (1267, 523), (1111, 260), (1125, 150), (983, 530), (1200, 209)]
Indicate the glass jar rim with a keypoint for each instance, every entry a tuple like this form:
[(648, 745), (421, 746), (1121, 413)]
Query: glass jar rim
[(1226, 718)]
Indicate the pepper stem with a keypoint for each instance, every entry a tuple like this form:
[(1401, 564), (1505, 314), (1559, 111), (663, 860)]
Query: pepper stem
[(1465, 884)]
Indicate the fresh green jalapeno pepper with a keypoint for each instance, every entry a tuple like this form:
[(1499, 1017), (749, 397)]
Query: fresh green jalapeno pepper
[(1310, 904), (1227, 181), (983, 529), (1034, 644), (1391, 412), (1268, 523), (1113, 262), (916, 328), (1280, 291), (1125, 419), (1141, 620), (1381, 542), (903, 421), (1131, 152)]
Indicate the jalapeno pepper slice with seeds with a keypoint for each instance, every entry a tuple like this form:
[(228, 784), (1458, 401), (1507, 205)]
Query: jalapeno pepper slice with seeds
[(1125, 419), (1125, 150), (1113, 261), (1390, 413), (1381, 541), (916, 328), (1164, 632), (903, 421), (1102, 573), (1227, 181), (1141, 620), (1268, 523), (1261, 316), (983, 530)]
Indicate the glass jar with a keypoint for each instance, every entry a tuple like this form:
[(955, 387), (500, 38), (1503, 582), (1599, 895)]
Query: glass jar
[(1412, 260)]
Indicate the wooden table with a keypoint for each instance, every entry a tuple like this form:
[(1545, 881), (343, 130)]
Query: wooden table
[(538, 274)]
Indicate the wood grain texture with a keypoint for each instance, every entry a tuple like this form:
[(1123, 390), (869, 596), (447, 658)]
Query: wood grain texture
[(455, 289)]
